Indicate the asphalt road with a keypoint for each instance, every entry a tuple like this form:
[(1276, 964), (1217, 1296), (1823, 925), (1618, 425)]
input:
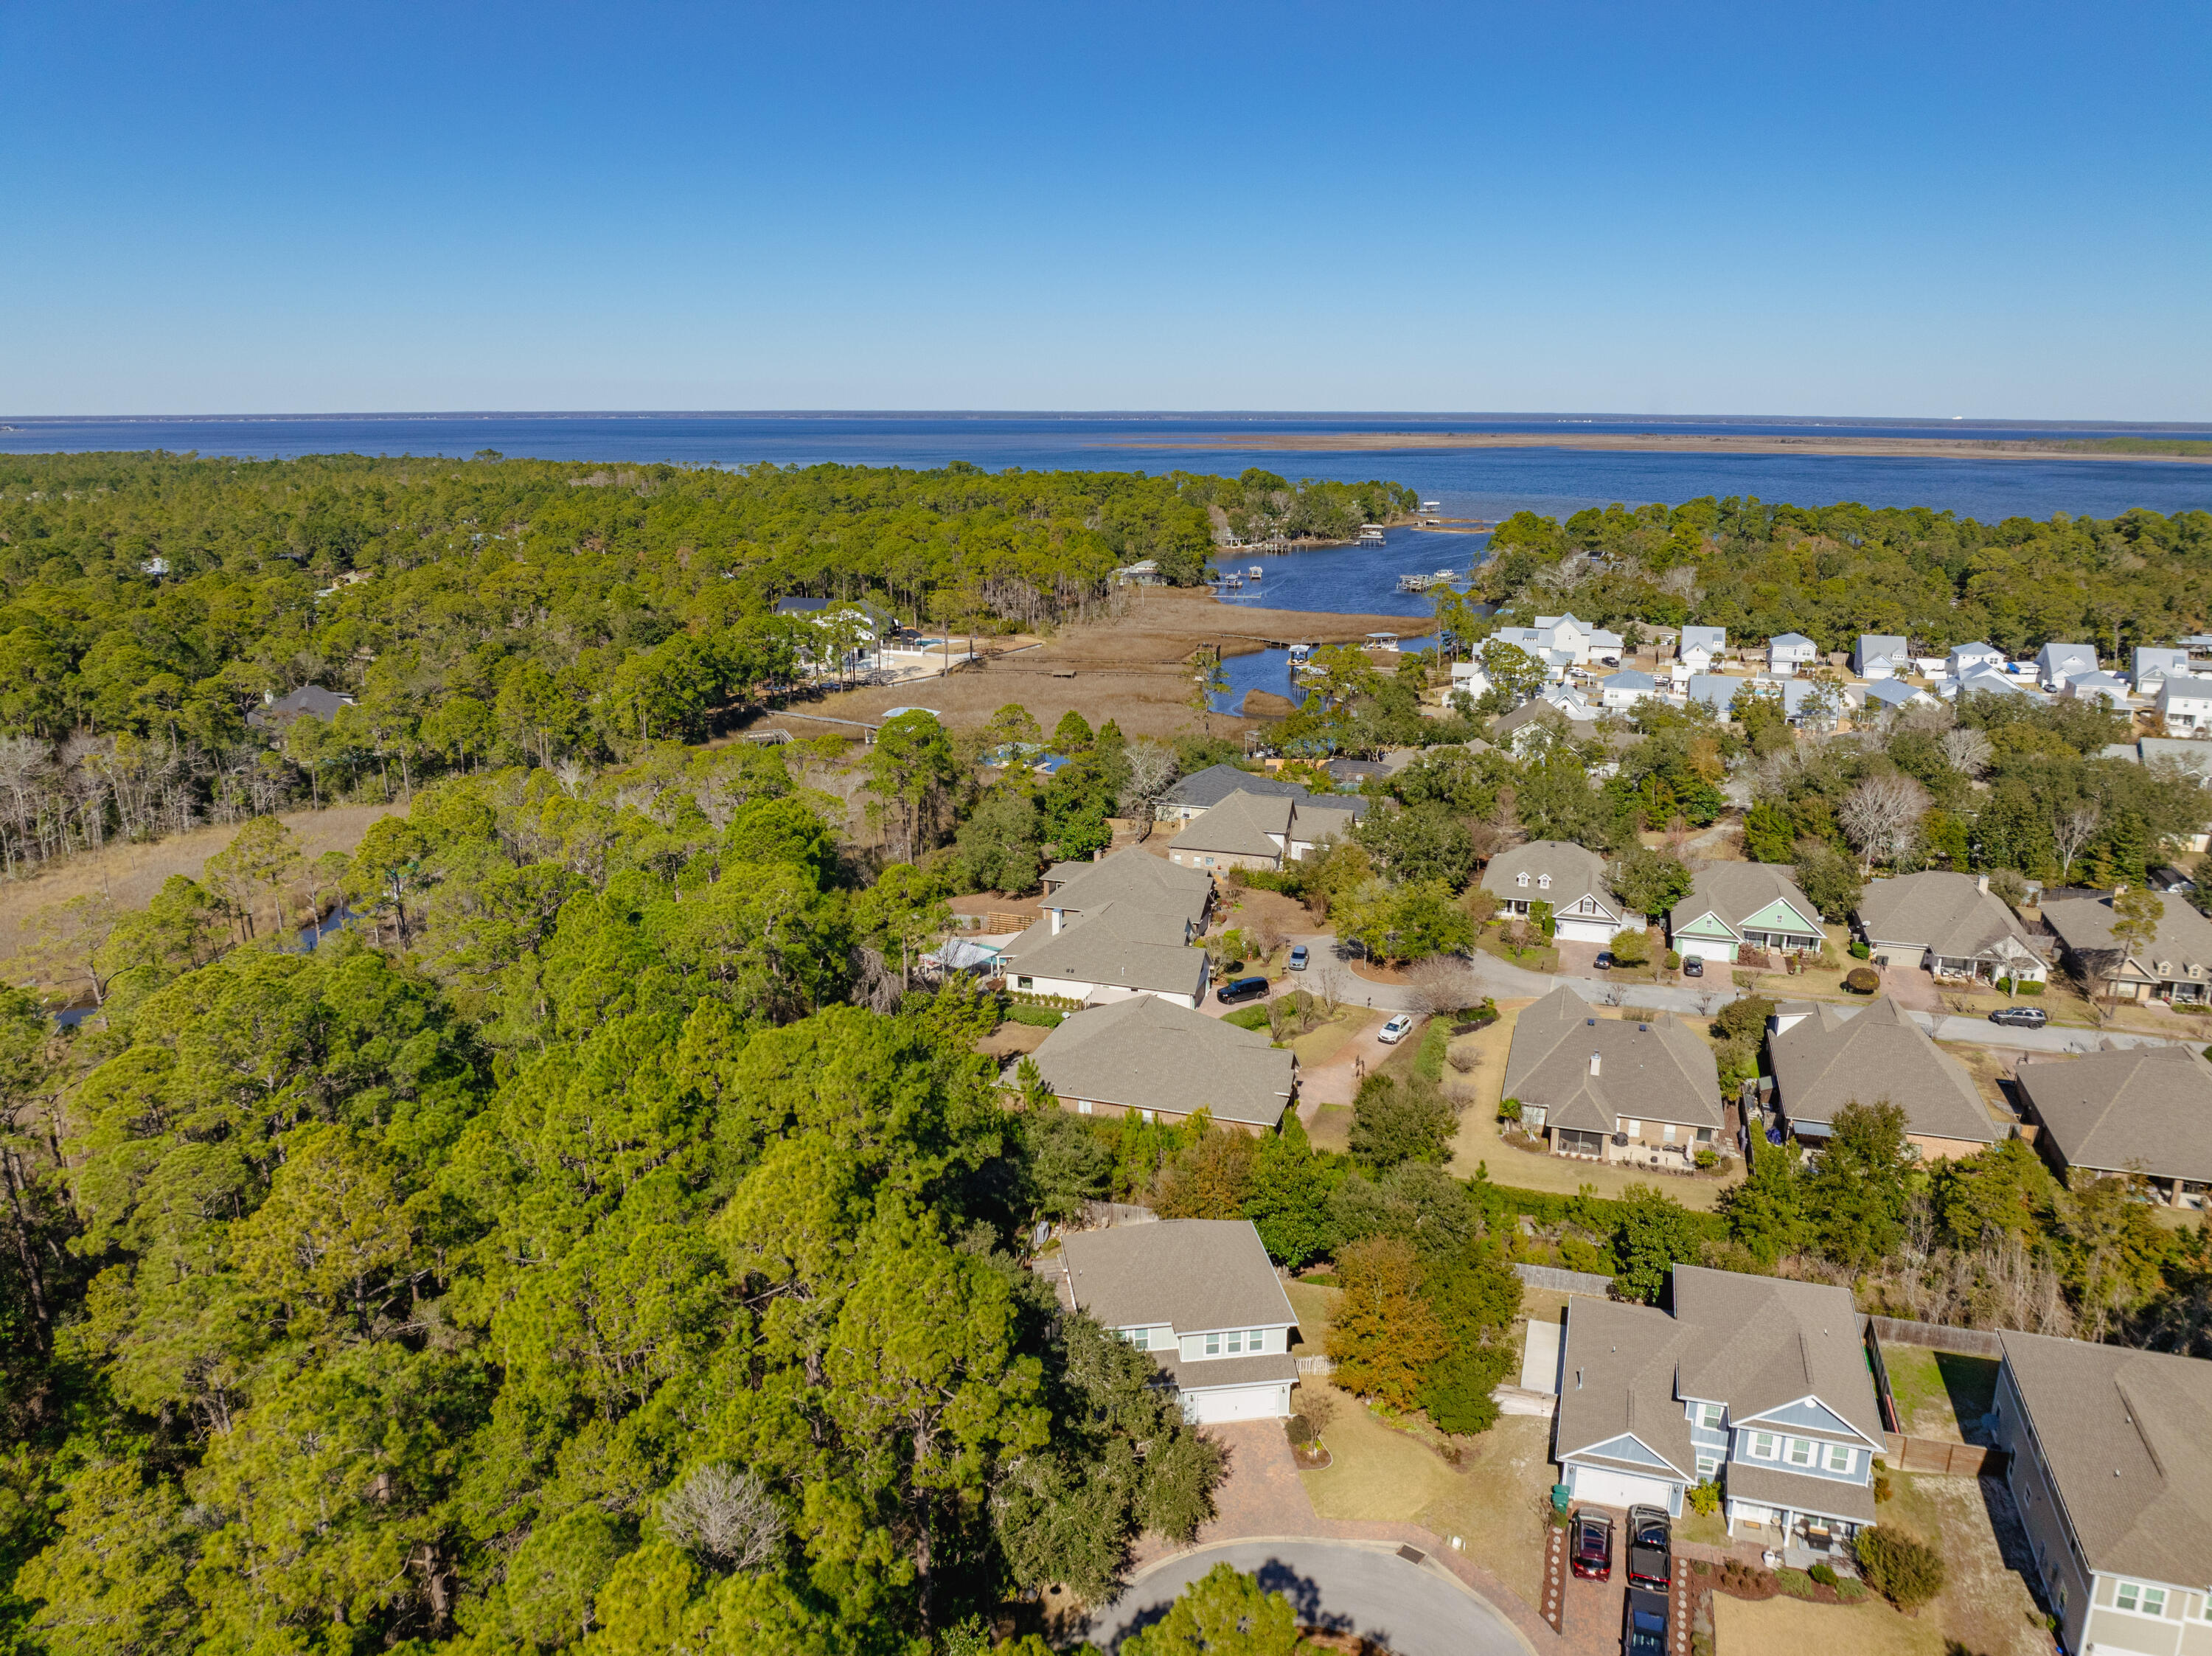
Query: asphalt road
[(1417, 1609)]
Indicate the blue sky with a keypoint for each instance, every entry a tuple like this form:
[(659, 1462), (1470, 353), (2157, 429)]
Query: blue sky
[(1992, 210)]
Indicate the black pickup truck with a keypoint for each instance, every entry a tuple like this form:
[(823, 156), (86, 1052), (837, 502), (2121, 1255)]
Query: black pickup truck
[(1644, 1623), (1650, 1548)]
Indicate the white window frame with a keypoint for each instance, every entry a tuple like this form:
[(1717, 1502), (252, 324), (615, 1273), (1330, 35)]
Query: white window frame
[(1708, 1464), (1235, 1347), (1711, 1415), (1213, 1345), (1841, 1458), (1254, 1340), (1792, 1446), (1138, 1337), (2139, 1598), (1521, 879), (1543, 882), (1771, 1449)]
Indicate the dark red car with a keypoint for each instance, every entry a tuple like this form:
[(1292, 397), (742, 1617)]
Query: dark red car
[(1589, 1545)]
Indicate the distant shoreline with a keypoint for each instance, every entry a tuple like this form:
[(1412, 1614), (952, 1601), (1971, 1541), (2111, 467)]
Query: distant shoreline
[(1947, 448)]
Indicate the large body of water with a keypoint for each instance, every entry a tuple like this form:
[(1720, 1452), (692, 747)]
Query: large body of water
[(1482, 483)]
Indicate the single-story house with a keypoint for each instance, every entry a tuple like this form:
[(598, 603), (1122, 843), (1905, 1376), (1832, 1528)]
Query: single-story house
[(1701, 646), (1881, 655), (2109, 1460), (1967, 658), (1536, 720), (1167, 1063), (1892, 696), (1790, 652), (1200, 1296), (1620, 691), (311, 700), (1111, 953), (1734, 906), (2185, 704), (2056, 663), (2101, 686), (1950, 924), (1569, 877), (1759, 1384), (2148, 668), (1824, 1057), (2173, 965), (2143, 1109), (1258, 830), (1643, 1092)]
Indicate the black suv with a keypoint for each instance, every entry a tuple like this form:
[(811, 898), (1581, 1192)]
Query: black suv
[(1643, 1624), (1241, 989)]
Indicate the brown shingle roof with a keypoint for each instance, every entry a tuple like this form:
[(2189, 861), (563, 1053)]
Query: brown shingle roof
[(1195, 1274), (2149, 1107), (2184, 938), (1828, 1060), (1144, 1053), (1948, 912), (1655, 1070)]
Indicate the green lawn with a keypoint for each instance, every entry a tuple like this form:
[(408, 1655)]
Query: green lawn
[(1332, 1128), (1543, 959), (1940, 1394)]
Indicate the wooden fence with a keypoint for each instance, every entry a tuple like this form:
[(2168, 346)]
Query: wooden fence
[(1965, 1342), (1565, 1281), (1921, 1454)]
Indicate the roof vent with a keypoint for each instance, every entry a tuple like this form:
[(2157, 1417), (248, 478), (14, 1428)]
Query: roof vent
[(1593, 1063)]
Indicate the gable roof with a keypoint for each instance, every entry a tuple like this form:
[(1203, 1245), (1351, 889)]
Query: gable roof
[(2127, 1436), (1191, 1274), (2183, 940), (309, 699), (1717, 690), (1657, 1069), (2149, 1107), (1116, 945), (1891, 693), (1790, 641), (1879, 1053), (1736, 891), (1209, 787), (1133, 877), (1240, 826), (1576, 872), (1144, 1053), (1703, 637), (1879, 647), (1938, 910), (1628, 679)]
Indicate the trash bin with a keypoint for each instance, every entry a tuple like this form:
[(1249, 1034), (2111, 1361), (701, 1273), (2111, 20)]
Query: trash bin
[(1560, 1495)]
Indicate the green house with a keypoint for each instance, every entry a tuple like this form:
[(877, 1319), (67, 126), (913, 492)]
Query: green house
[(1735, 905)]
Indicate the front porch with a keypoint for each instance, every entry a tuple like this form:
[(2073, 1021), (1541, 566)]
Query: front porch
[(1799, 1540)]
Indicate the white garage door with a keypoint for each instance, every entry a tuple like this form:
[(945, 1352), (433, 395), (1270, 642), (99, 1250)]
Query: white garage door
[(1610, 1489), (1585, 930), (1701, 948), (1236, 1403)]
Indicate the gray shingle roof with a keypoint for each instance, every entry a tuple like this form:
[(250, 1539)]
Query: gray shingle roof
[(1143, 1054), (2184, 937), (2127, 1436), (1734, 891), (2150, 1106), (1240, 826), (1776, 1486), (1939, 910), (1195, 1275), (1656, 1070), (1209, 787), (1878, 1054), (1133, 879), (1115, 945), (1576, 872)]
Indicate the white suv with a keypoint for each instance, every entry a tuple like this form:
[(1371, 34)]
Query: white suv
[(1394, 1031)]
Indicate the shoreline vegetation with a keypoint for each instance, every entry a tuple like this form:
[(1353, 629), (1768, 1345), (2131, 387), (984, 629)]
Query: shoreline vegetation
[(1950, 448)]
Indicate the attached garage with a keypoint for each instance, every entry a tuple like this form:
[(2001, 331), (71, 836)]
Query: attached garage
[(1606, 1488), (1570, 930), (1703, 949), (1224, 1403)]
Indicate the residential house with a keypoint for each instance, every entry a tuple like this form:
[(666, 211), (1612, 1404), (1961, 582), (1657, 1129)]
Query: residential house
[(2109, 1460), (1146, 572), (1950, 924), (1790, 652), (2144, 1110), (1881, 655), (1891, 695), (311, 700), (2056, 663), (1201, 790), (2172, 967), (1737, 906), (1471, 677), (1646, 1093), (1351, 774), (1167, 1063), (1112, 929), (1824, 1057), (1570, 701), (1971, 658), (1813, 703), (2149, 668), (2185, 705), (1579, 640), (2187, 754), (1521, 732), (1759, 1384), (1133, 877), (1701, 646), (1715, 690), (1259, 830), (1988, 680), (1568, 878), (1623, 690), (2100, 686), (1200, 1296)]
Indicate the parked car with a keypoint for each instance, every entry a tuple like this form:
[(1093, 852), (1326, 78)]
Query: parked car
[(1589, 1545), (1604, 961), (1242, 989), (1643, 1624), (1394, 1031), (1650, 1548), (1694, 966), (2020, 1017), (1298, 957)]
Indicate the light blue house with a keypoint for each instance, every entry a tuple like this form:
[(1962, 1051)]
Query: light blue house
[(1790, 652), (1735, 905), (1758, 1384), (1881, 655)]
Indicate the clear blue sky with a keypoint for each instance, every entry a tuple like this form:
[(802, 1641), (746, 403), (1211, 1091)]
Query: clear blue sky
[(1998, 210)]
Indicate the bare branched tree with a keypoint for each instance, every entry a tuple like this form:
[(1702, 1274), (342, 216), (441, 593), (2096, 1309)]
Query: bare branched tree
[(1967, 751), (1441, 985), (2072, 827), (725, 1516), (1152, 768), (1880, 817)]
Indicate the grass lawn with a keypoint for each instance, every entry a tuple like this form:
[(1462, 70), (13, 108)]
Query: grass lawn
[(1544, 959), (1376, 1472), (1311, 1304), (1325, 1040), (1332, 1129), (1709, 1529), (1940, 1394), (1495, 1499)]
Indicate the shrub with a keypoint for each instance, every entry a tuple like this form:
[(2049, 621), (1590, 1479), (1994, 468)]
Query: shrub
[(1796, 1583), (1509, 1109), (1850, 1589), (2028, 988), (1248, 1017), (1037, 1017), (1860, 951), (1706, 1500), (1299, 1432), (1907, 1572), (1322, 1279), (1881, 1490), (1862, 981), (1707, 1158), (1823, 1574), (1673, 959)]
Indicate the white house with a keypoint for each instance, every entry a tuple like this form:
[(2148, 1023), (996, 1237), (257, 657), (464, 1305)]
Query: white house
[(1623, 689), (2185, 704), (1881, 655), (1569, 700), (1568, 878), (2056, 663), (1199, 1296), (1987, 681), (1701, 646), (1790, 652), (1967, 658), (1471, 677), (2103, 687), (1891, 695), (2150, 666), (1577, 639)]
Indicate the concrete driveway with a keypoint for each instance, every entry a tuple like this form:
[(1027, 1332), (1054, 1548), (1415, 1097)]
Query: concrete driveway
[(1369, 1587)]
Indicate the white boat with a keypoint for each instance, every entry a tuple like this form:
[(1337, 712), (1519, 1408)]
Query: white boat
[(1255, 572)]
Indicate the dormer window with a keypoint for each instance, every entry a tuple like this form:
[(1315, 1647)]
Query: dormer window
[(1521, 879), (1543, 882)]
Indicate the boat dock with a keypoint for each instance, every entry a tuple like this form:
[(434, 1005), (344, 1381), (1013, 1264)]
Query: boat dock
[(1423, 583)]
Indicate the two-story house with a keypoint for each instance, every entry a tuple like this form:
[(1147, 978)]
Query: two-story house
[(2111, 1467), (1881, 655), (2056, 663), (1701, 646), (1966, 658), (1567, 877), (1789, 653), (1758, 1384), (1202, 1297)]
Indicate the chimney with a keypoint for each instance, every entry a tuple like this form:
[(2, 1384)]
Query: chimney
[(1593, 1063), (1056, 922), (1982, 884)]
